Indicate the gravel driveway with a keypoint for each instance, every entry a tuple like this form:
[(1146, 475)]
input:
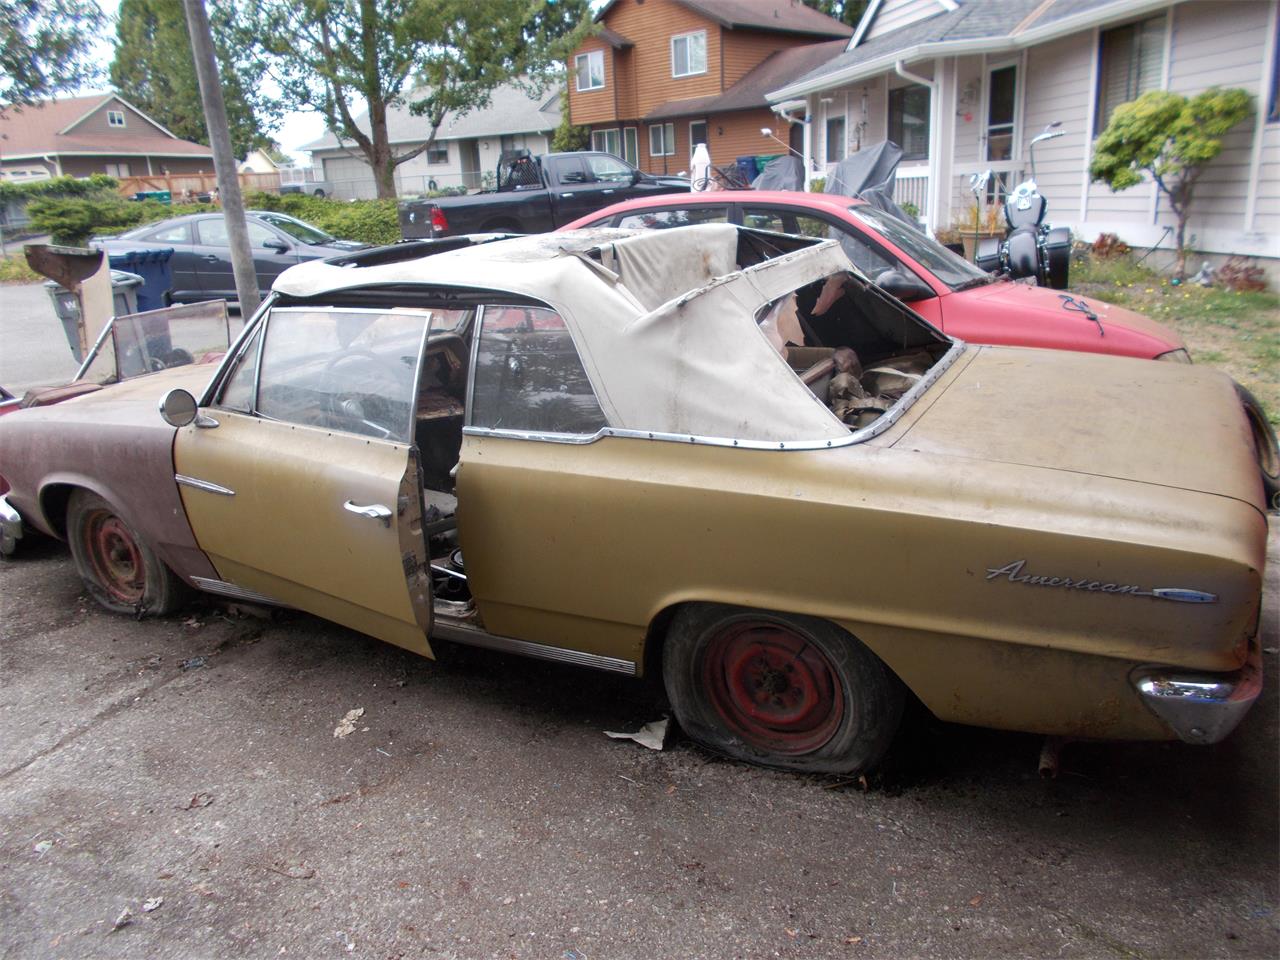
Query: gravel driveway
[(190, 766)]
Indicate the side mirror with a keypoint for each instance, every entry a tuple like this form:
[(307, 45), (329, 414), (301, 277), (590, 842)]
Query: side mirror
[(279, 246), (903, 285), (178, 408), (635, 176)]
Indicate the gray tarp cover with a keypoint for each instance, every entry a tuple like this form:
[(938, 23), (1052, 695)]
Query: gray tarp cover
[(781, 173), (871, 174)]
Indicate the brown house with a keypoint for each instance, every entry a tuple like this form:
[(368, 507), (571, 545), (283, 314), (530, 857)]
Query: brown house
[(659, 76), (82, 135)]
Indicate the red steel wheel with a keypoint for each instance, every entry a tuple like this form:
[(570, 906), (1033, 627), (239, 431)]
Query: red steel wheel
[(115, 557), (118, 567), (779, 689), (772, 686)]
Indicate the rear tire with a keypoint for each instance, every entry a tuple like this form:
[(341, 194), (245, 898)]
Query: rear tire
[(1265, 446), (779, 690), (117, 566)]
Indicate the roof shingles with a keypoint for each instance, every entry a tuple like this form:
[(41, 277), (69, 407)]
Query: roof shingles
[(38, 130)]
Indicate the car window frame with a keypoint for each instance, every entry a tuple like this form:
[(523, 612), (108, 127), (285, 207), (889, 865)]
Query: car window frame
[(259, 324), (617, 218), (186, 226), (871, 240), (541, 436)]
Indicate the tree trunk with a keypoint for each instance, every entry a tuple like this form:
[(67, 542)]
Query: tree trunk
[(1180, 263), (380, 159)]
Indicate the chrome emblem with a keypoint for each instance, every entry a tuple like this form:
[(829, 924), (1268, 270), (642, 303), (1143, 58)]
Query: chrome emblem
[(1013, 572)]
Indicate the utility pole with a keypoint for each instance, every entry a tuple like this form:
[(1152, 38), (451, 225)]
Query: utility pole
[(224, 161)]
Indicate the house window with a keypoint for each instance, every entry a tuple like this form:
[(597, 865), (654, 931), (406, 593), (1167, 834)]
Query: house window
[(115, 118), (662, 140), (689, 54), (1001, 97), (835, 139), (631, 146), (909, 120), (1130, 62), (607, 141), (438, 153), (117, 169), (589, 68), (697, 133)]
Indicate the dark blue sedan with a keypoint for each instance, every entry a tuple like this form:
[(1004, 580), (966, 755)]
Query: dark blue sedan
[(201, 261)]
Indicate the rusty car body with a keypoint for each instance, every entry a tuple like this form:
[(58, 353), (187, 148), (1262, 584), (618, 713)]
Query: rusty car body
[(621, 450)]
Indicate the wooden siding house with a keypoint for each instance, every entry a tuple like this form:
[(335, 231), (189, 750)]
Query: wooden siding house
[(963, 86), (659, 76), (77, 136)]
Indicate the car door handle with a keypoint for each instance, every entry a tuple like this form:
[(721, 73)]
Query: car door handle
[(610, 190), (566, 196), (374, 511), (210, 258)]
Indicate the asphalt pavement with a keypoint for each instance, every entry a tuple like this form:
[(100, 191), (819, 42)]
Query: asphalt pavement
[(34, 350), (175, 789)]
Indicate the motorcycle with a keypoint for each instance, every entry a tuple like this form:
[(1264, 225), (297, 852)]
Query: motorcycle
[(1030, 248)]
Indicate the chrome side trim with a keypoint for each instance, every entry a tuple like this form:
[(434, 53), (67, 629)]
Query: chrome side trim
[(204, 485), (475, 637), (858, 436), (224, 589)]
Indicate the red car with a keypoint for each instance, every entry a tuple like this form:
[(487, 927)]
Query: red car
[(945, 289)]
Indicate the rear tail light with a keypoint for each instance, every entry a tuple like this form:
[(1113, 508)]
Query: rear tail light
[(439, 222)]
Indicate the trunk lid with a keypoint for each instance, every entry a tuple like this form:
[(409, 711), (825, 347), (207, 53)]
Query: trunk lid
[(1159, 423)]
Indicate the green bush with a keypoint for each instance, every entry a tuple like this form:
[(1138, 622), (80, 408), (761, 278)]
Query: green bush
[(94, 185), (73, 220), (370, 221)]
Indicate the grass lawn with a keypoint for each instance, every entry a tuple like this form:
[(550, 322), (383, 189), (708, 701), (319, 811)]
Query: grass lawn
[(15, 270), (1239, 333)]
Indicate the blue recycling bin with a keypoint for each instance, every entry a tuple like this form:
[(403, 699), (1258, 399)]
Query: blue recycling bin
[(154, 269), (747, 168)]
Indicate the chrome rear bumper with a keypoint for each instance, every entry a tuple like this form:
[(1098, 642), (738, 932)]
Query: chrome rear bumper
[(1202, 708), (10, 527)]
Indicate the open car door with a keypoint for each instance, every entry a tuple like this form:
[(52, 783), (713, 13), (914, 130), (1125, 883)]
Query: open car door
[(300, 480)]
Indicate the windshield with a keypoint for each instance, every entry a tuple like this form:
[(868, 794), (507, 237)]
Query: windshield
[(143, 343), (304, 232), (956, 272)]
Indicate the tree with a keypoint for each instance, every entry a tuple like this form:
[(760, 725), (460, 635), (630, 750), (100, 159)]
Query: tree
[(846, 11), (434, 56), (1170, 138), (153, 69), (567, 136), (45, 48)]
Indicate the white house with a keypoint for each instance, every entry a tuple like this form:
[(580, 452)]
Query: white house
[(963, 86), (466, 146)]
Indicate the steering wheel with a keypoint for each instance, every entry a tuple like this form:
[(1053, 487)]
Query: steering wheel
[(359, 387)]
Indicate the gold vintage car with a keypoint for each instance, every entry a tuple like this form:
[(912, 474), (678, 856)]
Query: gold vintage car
[(714, 453)]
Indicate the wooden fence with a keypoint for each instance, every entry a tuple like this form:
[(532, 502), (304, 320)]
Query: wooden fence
[(186, 185)]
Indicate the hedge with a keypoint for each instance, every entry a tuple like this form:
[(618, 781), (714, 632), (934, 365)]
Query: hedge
[(370, 221)]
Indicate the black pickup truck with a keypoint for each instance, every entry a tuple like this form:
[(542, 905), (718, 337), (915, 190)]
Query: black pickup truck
[(534, 195)]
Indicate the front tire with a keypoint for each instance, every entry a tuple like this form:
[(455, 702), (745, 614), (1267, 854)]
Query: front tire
[(779, 690), (117, 566)]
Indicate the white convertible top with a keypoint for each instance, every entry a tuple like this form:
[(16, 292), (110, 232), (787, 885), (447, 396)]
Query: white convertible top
[(664, 320)]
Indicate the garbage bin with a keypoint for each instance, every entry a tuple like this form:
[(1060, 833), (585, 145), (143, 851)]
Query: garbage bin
[(66, 305), (747, 168), (154, 269), (763, 161)]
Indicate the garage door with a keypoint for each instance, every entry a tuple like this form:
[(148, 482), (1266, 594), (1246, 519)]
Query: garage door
[(351, 178)]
